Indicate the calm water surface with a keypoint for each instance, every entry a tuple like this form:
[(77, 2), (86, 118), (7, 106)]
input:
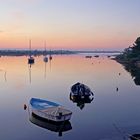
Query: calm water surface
[(93, 121)]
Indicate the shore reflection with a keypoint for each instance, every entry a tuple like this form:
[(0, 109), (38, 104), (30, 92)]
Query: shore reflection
[(134, 71)]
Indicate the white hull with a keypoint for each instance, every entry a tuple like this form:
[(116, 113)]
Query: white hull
[(49, 116)]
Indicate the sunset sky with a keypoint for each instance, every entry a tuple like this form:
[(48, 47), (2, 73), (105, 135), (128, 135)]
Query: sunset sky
[(69, 24)]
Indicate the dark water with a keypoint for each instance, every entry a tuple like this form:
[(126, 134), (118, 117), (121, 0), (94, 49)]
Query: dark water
[(113, 114)]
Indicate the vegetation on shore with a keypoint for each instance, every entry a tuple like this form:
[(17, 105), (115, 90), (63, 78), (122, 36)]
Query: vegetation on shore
[(43, 52), (130, 59), (130, 54), (33, 52)]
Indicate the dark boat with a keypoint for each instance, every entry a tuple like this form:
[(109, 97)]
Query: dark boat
[(88, 56), (45, 59), (30, 60), (80, 90), (50, 56), (50, 125), (134, 137), (81, 94), (96, 56)]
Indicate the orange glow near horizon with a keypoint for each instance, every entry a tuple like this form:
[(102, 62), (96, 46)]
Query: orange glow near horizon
[(64, 42), (73, 37)]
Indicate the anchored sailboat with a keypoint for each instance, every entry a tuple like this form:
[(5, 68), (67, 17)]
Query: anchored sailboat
[(30, 59), (45, 54), (50, 57)]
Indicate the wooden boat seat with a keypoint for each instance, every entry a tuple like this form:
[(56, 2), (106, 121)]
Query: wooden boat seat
[(55, 111)]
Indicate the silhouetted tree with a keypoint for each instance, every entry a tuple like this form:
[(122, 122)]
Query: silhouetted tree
[(130, 58), (131, 54), (137, 42)]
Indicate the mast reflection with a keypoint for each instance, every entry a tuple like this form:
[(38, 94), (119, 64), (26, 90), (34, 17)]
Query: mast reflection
[(45, 71), (30, 74)]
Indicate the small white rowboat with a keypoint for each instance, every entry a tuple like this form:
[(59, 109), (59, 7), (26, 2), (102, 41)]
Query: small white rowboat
[(49, 110)]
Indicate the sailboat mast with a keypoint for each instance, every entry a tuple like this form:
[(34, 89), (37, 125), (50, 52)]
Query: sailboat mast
[(30, 59), (30, 46), (45, 47), (50, 57)]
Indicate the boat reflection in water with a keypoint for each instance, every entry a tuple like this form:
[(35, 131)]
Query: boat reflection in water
[(50, 125), (81, 101)]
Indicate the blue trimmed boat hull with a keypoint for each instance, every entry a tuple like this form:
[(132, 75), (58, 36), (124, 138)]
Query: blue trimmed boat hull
[(49, 110)]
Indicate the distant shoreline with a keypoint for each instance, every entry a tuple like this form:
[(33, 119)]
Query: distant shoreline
[(42, 52)]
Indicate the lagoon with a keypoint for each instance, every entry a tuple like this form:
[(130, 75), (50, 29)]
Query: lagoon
[(112, 115)]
